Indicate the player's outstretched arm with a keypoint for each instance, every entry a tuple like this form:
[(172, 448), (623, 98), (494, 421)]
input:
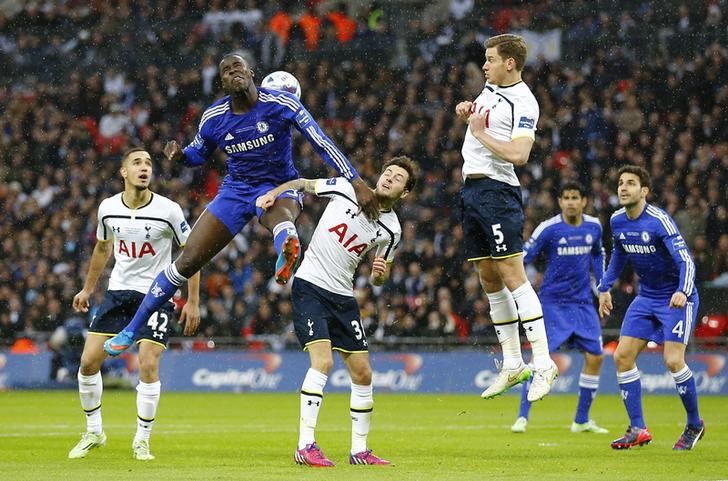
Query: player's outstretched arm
[(266, 200), (190, 315), (380, 271), (99, 258)]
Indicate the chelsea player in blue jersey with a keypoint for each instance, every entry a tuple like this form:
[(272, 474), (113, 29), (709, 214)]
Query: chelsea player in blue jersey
[(572, 245), (253, 126), (664, 310)]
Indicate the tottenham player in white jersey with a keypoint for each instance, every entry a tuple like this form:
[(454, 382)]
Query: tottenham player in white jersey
[(325, 312), (502, 123), (140, 227)]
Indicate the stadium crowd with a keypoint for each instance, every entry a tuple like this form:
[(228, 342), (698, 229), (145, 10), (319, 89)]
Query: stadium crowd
[(84, 81)]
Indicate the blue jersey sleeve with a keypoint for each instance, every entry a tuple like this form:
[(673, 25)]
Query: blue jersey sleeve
[(676, 246), (616, 264), (535, 244), (201, 147), (598, 258), (303, 121)]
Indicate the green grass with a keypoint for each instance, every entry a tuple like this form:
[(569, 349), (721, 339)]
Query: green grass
[(428, 437)]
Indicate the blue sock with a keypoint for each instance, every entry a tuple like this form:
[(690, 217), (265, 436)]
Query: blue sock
[(631, 389), (162, 290), (588, 385), (685, 384), (281, 232), (525, 407)]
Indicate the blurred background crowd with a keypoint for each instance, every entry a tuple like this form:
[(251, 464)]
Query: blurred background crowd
[(640, 82)]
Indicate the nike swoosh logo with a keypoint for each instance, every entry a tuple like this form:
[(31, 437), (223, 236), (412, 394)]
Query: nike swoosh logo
[(118, 347)]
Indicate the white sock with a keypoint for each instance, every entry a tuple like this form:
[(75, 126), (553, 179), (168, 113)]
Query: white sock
[(285, 225), (505, 320), (360, 407), (90, 389), (147, 401), (312, 396), (529, 310)]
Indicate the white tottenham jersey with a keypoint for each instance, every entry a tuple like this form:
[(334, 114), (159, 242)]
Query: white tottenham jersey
[(510, 112), (142, 239), (342, 238)]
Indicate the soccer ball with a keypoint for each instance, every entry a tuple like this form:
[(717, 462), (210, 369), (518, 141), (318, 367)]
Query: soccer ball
[(284, 81)]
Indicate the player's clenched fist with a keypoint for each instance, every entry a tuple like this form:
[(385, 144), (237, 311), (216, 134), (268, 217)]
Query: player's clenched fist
[(172, 150), (476, 122), (463, 110), (605, 304), (379, 270)]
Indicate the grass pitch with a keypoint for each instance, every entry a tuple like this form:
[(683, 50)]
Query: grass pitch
[(428, 437)]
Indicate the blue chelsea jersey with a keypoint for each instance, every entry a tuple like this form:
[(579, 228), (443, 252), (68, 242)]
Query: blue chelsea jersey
[(572, 252), (258, 142), (656, 250)]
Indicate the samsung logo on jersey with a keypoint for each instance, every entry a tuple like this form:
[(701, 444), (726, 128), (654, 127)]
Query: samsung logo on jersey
[(573, 251), (249, 144), (639, 249)]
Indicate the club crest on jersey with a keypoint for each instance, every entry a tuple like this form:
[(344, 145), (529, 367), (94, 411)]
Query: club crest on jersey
[(262, 127), (148, 228), (588, 239), (645, 236)]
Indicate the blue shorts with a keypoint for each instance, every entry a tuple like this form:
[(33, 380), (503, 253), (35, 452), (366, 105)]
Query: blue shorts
[(319, 314), (492, 216), (234, 203), (654, 320), (120, 306), (573, 326)]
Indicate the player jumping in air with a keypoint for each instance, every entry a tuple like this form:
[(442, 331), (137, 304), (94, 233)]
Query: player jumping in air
[(253, 126), (502, 123)]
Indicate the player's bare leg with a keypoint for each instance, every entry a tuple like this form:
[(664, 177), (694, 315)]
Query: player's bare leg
[(208, 236), (312, 396), (90, 389), (361, 405), (148, 393), (513, 273), (504, 313)]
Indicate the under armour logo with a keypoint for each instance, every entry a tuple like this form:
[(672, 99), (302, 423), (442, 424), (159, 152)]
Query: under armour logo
[(351, 213), (501, 248), (116, 229), (311, 403), (682, 390), (156, 290), (625, 394), (310, 327), (158, 335)]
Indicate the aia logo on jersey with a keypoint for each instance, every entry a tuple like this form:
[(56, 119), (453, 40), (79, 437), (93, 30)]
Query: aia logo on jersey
[(341, 232), (133, 250)]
